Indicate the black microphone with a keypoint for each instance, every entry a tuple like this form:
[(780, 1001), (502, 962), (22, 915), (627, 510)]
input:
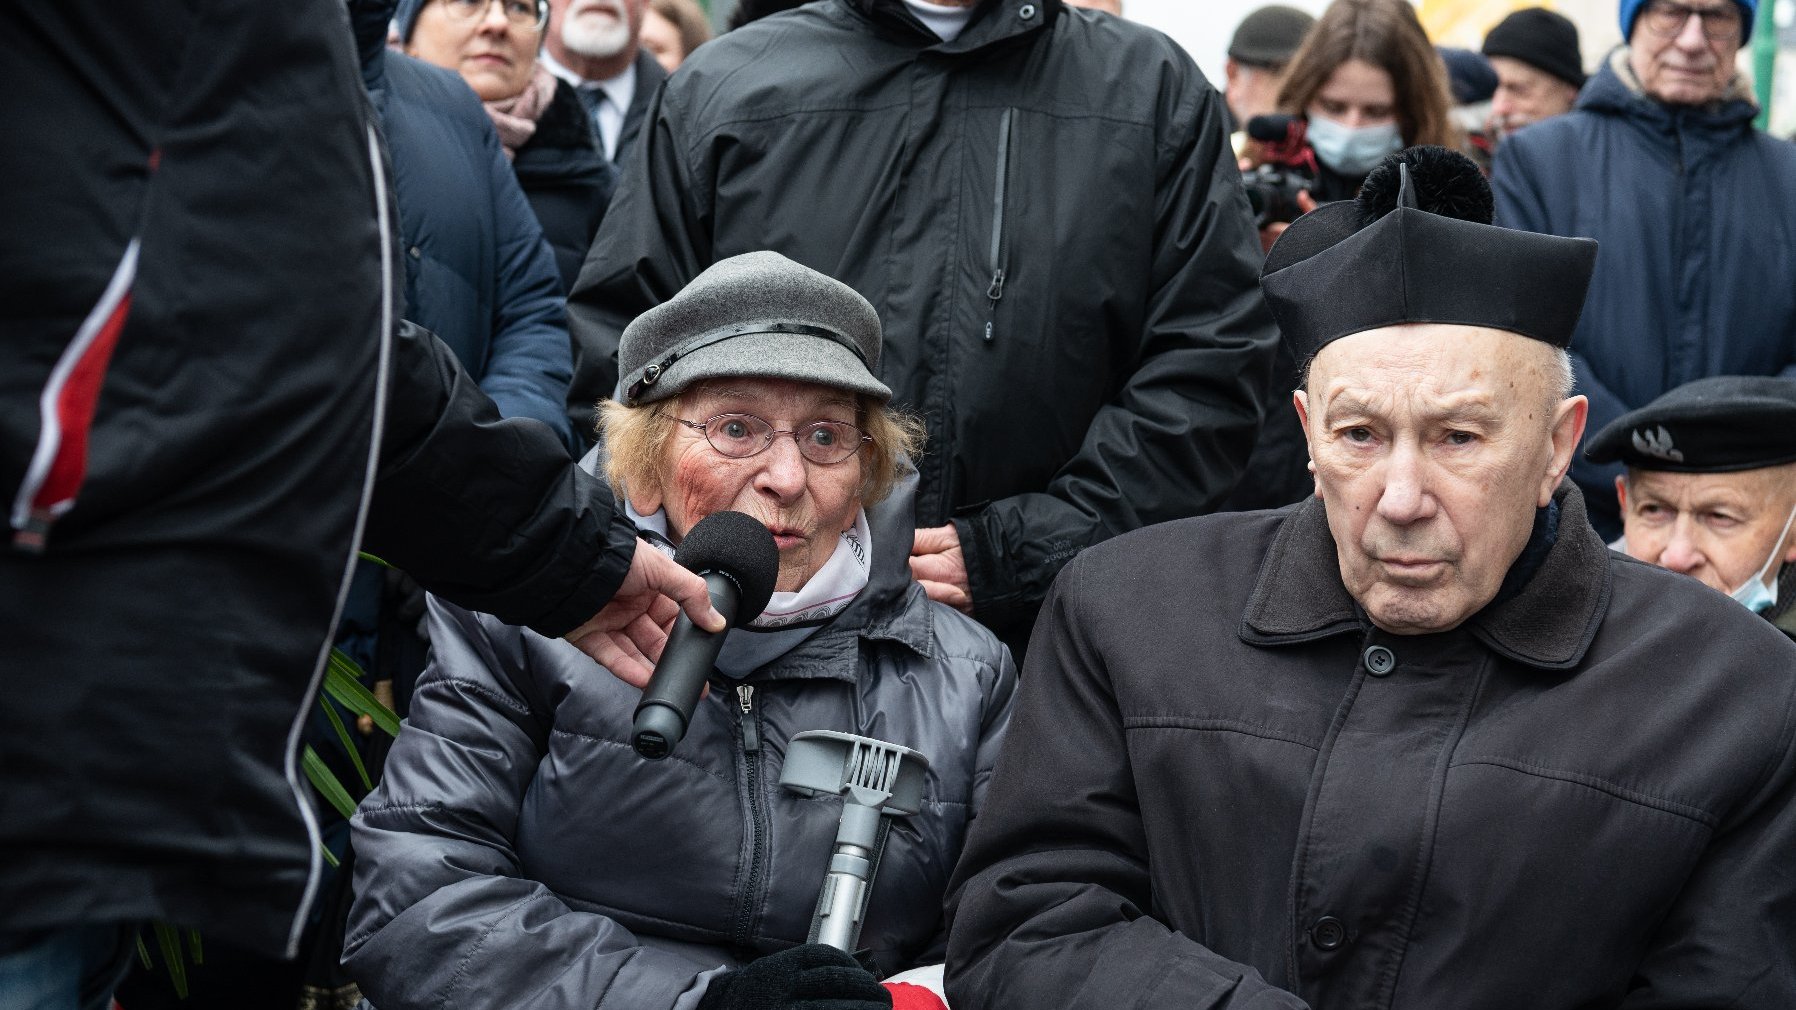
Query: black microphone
[(739, 562)]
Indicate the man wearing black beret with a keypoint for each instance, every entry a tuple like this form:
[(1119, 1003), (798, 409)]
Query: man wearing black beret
[(1710, 488), (1420, 741)]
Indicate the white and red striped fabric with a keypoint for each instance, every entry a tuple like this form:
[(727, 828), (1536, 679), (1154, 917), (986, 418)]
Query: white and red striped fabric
[(66, 405)]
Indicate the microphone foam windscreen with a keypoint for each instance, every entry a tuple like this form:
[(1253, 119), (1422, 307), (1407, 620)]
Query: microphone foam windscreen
[(737, 545)]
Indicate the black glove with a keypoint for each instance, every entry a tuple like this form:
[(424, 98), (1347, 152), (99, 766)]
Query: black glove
[(811, 977)]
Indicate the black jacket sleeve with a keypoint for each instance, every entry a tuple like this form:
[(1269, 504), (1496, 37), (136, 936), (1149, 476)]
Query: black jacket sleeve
[(489, 513), (1055, 904)]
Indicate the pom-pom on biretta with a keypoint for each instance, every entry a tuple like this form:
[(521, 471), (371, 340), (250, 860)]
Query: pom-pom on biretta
[(1417, 246), (1443, 182)]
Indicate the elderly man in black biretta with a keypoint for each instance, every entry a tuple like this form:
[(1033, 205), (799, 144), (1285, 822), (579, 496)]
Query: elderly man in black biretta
[(1710, 487), (516, 826), (1418, 741)]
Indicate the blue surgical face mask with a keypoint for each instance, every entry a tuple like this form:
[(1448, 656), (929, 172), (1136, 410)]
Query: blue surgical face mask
[(1352, 150), (1754, 594)]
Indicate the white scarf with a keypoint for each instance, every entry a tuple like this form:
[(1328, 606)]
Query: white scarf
[(790, 618)]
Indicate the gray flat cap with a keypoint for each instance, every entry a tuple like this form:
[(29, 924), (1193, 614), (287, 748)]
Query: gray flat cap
[(757, 315)]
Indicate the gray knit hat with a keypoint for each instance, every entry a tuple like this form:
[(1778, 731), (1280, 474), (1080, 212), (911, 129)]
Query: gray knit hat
[(754, 315)]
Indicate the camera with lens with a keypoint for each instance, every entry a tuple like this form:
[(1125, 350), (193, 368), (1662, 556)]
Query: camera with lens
[(1286, 168)]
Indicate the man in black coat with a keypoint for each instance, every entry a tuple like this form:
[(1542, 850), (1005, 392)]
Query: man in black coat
[(1418, 742), (1043, 206), (204, 404)]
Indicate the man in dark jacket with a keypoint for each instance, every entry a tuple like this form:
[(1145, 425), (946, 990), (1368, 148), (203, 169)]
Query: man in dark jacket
[(1710, 489), (1046, 213), (1419, 742), (202, 403), (593, 45), (1660, 162)]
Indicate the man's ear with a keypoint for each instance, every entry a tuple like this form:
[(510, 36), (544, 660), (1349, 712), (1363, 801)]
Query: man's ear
[(1569, 419), (1621, 491)]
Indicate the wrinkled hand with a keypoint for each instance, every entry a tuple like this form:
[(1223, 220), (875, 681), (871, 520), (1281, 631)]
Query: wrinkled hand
[(627, 634), (808, 977), (938, 565)]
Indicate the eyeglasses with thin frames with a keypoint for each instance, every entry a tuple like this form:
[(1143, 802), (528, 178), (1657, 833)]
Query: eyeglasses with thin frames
[(1667, 19), (740, 436), (522, 13)]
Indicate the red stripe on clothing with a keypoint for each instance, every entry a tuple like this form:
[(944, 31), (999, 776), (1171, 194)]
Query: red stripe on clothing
[(75, 405)]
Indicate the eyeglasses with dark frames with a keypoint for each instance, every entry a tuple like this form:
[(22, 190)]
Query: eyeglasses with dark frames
[(522, 13), (740, 436), (1666, 19)]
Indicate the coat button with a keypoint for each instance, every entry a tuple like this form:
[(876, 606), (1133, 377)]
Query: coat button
[(1026, 12), (1380, 661), (1328, 933)]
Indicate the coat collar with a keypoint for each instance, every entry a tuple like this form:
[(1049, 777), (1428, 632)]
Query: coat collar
[(1299, 596), (994, 22)]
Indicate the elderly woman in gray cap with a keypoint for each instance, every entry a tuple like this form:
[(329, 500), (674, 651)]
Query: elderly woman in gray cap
[(519, 852)]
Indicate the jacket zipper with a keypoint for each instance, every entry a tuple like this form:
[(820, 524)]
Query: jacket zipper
[(995, 291), (750, 722)]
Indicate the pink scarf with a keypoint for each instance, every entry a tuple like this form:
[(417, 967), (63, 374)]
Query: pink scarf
[(515, 117)]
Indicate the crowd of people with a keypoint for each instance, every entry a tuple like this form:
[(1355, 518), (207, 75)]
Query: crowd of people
[(1331, 539)]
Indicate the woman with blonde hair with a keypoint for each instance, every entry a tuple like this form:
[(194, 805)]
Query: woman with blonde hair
[(517, 829)]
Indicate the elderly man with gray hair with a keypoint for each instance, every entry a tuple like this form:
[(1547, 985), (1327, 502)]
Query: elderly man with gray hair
[(1710, 488), (1420, 741)]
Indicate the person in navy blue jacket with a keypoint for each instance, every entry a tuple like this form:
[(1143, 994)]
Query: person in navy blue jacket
[(478, 271), (1660, 163)]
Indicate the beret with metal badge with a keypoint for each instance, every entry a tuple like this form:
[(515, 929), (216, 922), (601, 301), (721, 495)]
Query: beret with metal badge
[(1716, 425)]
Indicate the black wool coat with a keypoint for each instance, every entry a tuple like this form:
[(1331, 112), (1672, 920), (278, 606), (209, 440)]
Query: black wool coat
[(1223, 788)]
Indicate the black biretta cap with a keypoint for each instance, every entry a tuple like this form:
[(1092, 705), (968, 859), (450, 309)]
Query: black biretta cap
[(1417, 246), (1713, 425)]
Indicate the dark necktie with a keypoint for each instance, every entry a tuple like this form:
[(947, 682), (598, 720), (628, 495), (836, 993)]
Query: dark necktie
[(591, 96)]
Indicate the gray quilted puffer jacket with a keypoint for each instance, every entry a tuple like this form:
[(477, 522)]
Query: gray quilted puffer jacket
[(519, 854)]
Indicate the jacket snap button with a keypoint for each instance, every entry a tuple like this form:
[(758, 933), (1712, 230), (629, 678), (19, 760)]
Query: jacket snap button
[(414, 252), (1380, 661), (1328, 933), (1026, 12)]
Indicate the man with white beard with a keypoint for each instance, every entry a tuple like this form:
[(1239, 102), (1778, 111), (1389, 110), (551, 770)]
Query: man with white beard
[(592, 44)]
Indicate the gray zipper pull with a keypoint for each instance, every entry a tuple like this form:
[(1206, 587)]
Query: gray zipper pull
[(751, 736)]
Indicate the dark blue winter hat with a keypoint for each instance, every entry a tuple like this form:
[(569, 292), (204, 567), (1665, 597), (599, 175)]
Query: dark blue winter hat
[(1716, 425), (1630, 9)]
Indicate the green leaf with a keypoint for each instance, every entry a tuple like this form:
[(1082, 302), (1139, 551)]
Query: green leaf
[(365, 556), (169, 940), (342, 681), (326, 783), (328, 857), (194, 949), (143, 952), (355, 757)]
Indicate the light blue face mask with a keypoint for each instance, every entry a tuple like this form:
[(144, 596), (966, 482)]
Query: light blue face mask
[(1754, 594), (1352, 150)]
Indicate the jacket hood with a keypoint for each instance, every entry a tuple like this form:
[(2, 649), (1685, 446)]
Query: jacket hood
[(994, 22), (1614, 91)]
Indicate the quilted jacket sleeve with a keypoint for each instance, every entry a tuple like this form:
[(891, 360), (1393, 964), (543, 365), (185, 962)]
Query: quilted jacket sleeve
[(443, 917)]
